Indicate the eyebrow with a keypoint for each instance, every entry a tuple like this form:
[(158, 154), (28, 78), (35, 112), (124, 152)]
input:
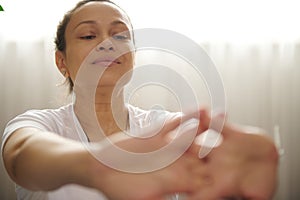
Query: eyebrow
[(114, 23), (117, 22)]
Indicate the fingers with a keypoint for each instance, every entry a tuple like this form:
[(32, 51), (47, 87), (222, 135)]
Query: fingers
[(204, 121), (202, 115), (171, 123), (175, 120), (218, 123)]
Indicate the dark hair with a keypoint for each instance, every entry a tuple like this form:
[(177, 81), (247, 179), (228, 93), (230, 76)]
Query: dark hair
[(60, 40)]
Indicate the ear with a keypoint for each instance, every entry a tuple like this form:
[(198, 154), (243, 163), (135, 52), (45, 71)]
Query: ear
[(61, 63)]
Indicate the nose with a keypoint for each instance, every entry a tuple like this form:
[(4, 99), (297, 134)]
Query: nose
[(106, 45)]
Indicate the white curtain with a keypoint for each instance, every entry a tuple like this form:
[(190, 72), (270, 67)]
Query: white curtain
[(262, 86)]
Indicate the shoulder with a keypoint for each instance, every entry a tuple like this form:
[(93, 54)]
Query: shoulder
[(45, 119), (52, 120), (44, 114)]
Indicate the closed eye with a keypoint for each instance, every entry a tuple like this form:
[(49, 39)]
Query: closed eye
[(120, 37), (88, 37)]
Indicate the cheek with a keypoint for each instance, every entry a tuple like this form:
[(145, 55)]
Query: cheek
[(130, 60), (75, 59), (129, 66)]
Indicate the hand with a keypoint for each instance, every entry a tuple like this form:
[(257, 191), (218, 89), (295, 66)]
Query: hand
[(179, 177), (172, 178), (243, 166)]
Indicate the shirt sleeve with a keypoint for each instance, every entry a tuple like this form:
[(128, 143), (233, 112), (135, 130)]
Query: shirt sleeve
[(33, 118)]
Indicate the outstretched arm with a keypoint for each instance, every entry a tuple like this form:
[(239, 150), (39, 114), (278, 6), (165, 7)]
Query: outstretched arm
[(40, 160), (45, 161)]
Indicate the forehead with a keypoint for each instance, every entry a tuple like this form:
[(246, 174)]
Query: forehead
[(101, 12)]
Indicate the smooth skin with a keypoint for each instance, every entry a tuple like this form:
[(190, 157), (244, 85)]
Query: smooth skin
[(244, 166)]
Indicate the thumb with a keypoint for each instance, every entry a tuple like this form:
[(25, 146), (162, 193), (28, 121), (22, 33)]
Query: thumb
[(211, 129), (215, 122), (204, 119)]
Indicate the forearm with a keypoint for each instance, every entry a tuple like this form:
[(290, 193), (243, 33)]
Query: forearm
[(45, 161)]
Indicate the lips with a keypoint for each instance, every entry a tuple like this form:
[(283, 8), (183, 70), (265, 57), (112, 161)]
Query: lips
[(106, 61)]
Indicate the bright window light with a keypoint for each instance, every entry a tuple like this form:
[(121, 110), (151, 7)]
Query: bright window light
[(203, 20)]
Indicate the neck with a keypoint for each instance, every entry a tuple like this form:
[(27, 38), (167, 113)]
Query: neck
[(109, 112)]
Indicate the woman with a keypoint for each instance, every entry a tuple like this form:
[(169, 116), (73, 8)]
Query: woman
[(44, 150)]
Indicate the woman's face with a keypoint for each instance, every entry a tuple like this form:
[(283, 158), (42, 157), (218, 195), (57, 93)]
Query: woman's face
[(99, 27)]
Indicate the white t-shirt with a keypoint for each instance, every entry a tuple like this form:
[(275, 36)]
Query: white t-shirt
[(63, 121)]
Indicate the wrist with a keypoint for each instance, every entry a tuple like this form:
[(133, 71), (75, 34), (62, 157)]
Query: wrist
[(77, 166), (87, 170)]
